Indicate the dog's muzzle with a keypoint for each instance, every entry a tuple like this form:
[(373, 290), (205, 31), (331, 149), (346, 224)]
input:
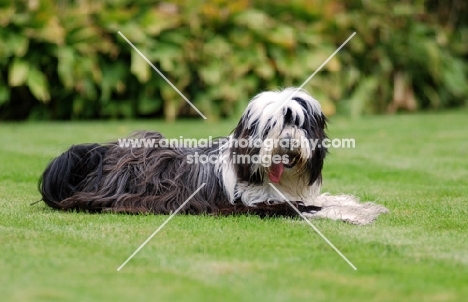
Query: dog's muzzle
[(290, 157)]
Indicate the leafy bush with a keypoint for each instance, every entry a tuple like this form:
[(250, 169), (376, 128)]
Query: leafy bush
[(67, 60), (402, 58)]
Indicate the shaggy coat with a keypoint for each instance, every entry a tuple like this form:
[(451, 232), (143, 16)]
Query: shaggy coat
[(109, 177)]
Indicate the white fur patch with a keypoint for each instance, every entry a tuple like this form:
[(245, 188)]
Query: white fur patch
[(347, 208)]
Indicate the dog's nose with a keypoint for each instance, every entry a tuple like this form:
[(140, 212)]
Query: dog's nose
[(290, 142), (286, 142)]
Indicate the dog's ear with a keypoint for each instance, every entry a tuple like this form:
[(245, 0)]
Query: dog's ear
[(242, 129), (322, 121), (243, 133), (315, 127), (314, 166)]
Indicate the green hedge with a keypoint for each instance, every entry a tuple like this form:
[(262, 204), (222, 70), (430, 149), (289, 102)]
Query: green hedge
[(66, 60)]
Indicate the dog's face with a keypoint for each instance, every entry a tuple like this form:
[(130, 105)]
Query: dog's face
[(291, 132)]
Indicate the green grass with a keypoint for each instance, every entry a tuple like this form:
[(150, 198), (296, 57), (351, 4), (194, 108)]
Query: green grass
[(417, 166)]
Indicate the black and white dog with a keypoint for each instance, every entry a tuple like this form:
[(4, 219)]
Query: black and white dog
[(158, 180)]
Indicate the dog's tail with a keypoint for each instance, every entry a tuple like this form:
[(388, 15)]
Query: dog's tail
[(62, 177)]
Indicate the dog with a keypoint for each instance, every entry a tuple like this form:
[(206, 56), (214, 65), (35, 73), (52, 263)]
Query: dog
[(238, 179)]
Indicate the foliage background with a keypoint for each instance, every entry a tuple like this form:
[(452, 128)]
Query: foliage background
[(65, 59)]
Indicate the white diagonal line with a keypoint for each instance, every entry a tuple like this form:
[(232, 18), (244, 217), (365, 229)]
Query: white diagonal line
[(162, 225), (312, 75), (162, 75), (313, 226)]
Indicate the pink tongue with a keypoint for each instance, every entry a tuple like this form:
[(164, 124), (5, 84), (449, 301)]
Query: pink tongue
[(276, 171)]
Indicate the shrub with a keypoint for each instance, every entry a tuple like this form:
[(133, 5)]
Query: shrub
[(66, 60)]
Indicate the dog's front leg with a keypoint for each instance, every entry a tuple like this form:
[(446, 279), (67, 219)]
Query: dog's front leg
[(269, 209)]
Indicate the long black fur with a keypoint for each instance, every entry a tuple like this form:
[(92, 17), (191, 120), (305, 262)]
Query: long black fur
[(99, 178), (109, 177)]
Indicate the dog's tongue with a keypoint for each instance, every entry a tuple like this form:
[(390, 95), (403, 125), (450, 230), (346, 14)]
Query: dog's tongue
[(276, 170)]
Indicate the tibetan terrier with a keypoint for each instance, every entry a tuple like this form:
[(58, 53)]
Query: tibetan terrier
[(159, 179)]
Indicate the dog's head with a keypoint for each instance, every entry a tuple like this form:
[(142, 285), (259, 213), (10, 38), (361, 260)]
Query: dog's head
[(291, 128)]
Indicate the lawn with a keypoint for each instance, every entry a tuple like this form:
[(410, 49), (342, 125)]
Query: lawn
[(415, 165)]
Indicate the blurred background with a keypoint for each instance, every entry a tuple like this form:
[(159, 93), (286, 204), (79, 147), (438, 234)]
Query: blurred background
[(64, 59)]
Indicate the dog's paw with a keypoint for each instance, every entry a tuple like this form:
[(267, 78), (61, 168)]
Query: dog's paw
[(309, 215), (308, 211)]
